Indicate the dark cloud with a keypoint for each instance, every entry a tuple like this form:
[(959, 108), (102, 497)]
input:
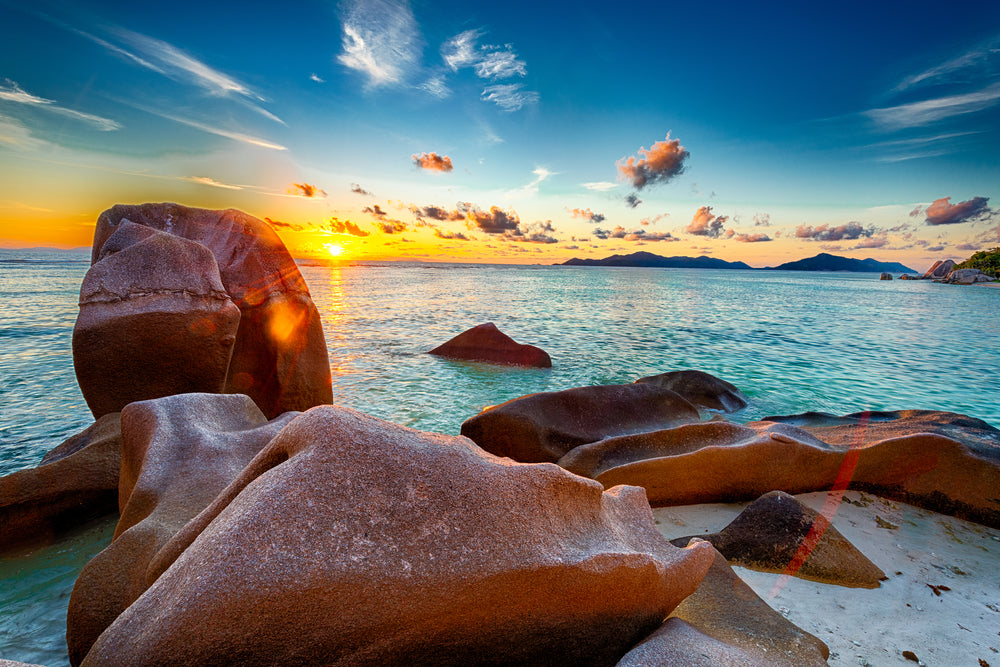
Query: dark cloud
[(305, 190), (278, 224), (391, 226), (375, 211), (432, 161), (587, 214), (357, 189), (632, 200), (450, 236), (943, 212), (659, 164), (849, 232), (536, 232), (344, 227), (935, 248), (437, 213), (973, 247), (494, 221), (643, 235), (705, 223)]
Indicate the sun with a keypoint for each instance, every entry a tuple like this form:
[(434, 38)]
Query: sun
[(334, 249)]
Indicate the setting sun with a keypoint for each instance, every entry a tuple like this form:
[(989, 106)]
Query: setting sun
[(334, 249)]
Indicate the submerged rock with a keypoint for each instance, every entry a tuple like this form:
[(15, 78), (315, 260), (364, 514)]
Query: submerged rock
[(941, 461), (279, 356), (77, 481), (350, 540), (154, 321), (178, 453), (702, 389), (725, 624), (777, 533), (487, 343), (544, 426)]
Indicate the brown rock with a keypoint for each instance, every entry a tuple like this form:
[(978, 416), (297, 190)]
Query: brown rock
[(76, 482), (178, 453), (487, 343), (777, 533), (349, 540), (944, 462), (544, 426), (725, 624), (154, 320), (702, 389), (280, 356), (940, 269), (12, 663)]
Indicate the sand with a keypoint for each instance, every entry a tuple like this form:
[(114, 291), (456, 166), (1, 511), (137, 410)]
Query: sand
[(941, 602)]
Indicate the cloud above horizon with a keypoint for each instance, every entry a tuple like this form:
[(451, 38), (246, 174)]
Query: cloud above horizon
[(586, 214), (706, 223), (306, 190), (849, 232), (943, 212), (659, 164), (432, 162), (337, 226)]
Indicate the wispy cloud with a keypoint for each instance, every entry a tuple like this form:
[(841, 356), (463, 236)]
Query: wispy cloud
[(205, 180), (381, 40), (509, 96), (500, 65), (14, 134), (586, 214), (600, 186), (663, 161), (10, 91), (358, 190), (925, 112), (218, 131), (460, 51), (437, 87), (968, 66)]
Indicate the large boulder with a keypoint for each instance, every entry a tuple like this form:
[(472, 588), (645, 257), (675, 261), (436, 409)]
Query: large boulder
[(76, 481), (178, 453), (940, 269), (350, 540), (725, 624), (777, 533), (279, 356), (940, 461), (702, 389), (487, 343), (967, 277), (154, 320), (544, 426)]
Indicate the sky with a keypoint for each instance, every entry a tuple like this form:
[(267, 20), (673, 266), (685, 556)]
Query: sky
[(513, 132)]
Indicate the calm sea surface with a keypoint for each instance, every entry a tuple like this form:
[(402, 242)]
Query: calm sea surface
[(792, 341)]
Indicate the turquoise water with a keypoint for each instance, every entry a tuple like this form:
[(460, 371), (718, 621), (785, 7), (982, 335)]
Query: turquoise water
[(791, 341)]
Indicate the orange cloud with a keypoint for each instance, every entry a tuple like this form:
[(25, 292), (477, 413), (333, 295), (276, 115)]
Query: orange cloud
[(432, 161), (943, 212), (305, 190), (705, 223), (663, 161)]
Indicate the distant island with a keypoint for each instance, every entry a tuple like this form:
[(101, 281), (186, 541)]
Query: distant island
[(827, 262), (648, 259), (821, 262)]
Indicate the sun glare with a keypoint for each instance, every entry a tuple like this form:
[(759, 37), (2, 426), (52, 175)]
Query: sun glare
[(334, 249)]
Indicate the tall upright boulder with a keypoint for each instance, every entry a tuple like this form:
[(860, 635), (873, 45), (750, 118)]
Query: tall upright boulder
[(940, 269), (279, 356), (154, 320)]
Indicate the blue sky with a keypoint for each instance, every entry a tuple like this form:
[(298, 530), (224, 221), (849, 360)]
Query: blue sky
[(763, 134)]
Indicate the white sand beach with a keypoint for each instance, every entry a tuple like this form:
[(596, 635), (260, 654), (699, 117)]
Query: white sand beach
[(941, 602)]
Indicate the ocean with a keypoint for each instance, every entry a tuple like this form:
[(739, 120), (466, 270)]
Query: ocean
[(791, 341)]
